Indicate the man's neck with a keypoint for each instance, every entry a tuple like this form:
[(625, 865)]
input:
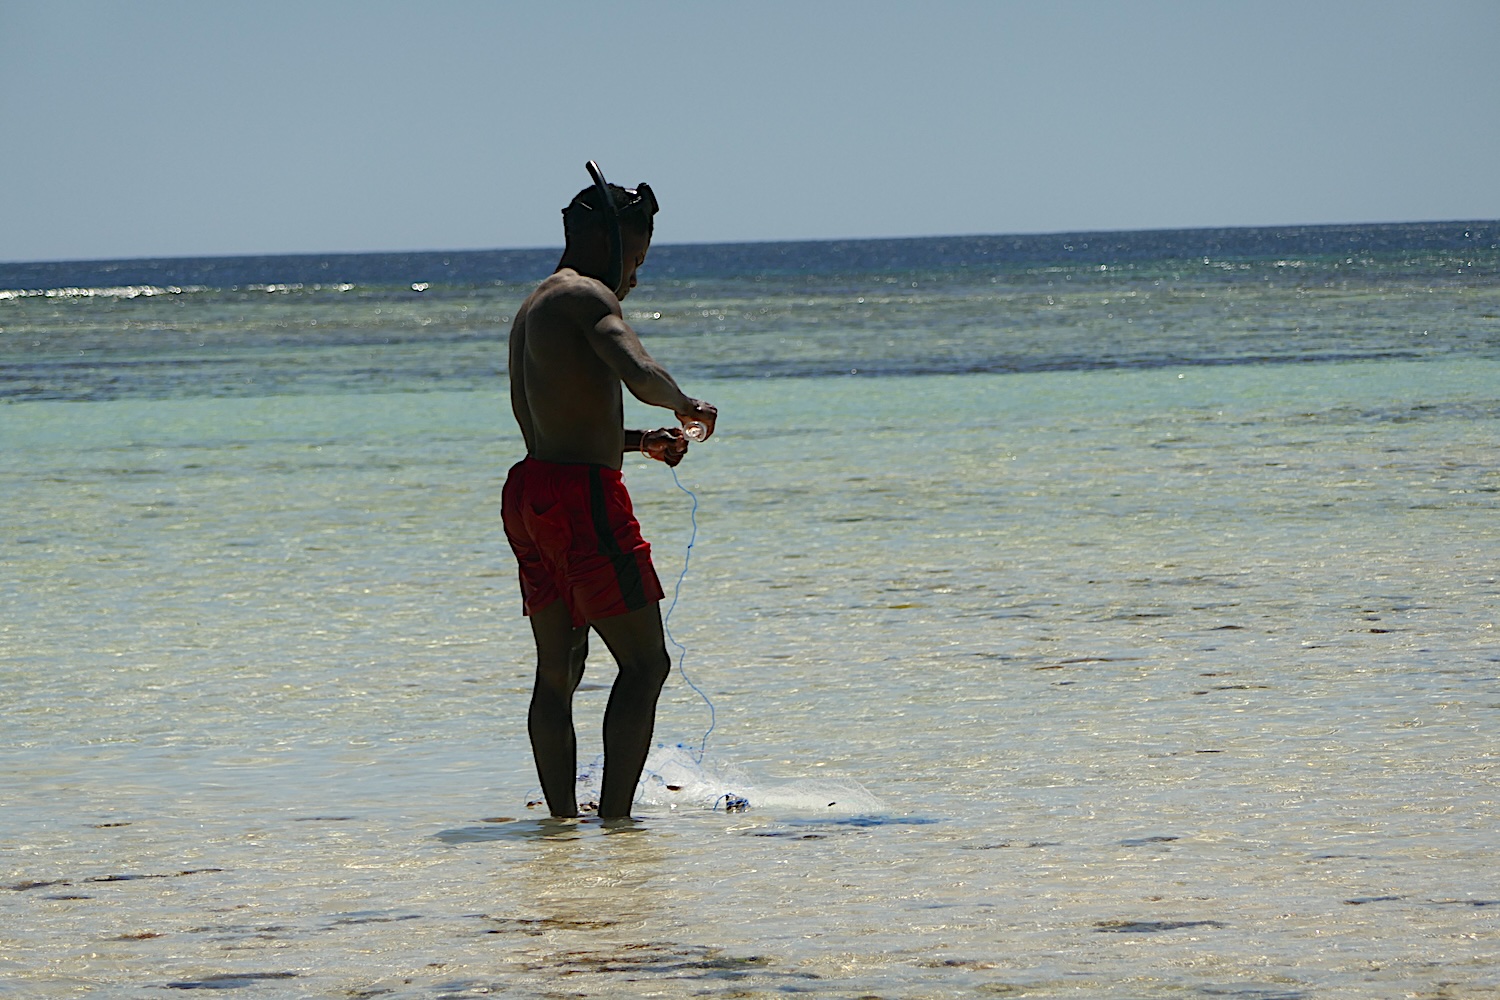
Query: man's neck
[(581, 263)]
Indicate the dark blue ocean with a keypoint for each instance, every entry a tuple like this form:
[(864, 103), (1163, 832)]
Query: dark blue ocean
[(943, 305)]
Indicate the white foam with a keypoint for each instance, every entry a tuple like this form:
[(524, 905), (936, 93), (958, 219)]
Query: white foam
[(674, 779)]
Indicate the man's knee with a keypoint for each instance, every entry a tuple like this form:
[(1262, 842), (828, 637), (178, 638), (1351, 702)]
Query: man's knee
[(645, 668), (655, 668), (558, 676), (635, 641)]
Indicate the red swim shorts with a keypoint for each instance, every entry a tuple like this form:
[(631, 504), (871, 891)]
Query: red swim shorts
[(576, 538)]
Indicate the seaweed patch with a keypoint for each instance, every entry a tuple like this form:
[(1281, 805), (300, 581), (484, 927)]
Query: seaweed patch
[(1150, 926), (228, 980)]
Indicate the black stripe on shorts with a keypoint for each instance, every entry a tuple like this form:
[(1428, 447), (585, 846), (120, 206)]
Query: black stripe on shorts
[(627, 570)]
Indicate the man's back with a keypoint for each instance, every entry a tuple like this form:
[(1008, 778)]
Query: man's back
[(564, 395)]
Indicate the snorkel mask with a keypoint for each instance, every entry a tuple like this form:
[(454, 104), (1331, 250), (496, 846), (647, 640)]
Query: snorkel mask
[(641, 200)]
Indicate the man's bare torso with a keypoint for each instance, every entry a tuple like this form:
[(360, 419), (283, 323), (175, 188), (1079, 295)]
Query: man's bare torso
[(565, 397)]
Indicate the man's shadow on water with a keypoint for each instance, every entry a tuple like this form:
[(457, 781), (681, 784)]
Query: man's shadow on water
[(543, 828)]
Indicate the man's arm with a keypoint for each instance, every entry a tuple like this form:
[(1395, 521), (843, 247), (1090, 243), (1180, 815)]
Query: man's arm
[(597, 312), (617, 345)]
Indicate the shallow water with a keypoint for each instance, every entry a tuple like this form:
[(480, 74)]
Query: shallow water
[(1167, 683)]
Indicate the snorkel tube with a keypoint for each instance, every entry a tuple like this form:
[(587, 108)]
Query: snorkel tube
[(612, 227)]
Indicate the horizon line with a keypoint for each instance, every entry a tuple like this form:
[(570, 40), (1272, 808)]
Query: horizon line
[(557, 248)]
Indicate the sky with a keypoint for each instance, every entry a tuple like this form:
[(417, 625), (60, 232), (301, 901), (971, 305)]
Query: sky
[(163, 128)]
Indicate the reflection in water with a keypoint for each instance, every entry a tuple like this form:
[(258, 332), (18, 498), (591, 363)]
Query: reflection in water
[(594, 902)]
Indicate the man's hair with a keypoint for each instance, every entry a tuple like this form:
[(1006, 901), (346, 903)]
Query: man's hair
[(585, 213)]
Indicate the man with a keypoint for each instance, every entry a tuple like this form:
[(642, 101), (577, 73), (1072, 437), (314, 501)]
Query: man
[(583, 563)]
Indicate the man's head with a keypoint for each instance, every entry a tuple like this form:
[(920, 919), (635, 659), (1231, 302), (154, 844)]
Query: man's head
[(586, 226), (585, 214)]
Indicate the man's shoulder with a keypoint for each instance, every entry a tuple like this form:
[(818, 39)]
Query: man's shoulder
[(567, 289), (564, 307)]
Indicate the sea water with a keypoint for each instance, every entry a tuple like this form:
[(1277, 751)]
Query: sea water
[(1139, 643)]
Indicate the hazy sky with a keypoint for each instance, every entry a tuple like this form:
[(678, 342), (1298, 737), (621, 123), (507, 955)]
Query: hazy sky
[(153, 128)]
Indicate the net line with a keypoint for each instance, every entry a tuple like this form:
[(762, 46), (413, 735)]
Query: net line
[(667, 620)]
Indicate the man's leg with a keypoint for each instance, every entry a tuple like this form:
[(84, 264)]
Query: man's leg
[(560, 652), (636, 642)]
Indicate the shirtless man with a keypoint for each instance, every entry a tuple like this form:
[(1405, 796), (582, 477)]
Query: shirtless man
[(583, 563)]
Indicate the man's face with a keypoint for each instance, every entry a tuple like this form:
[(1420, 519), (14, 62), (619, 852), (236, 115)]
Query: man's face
[(633, 247)]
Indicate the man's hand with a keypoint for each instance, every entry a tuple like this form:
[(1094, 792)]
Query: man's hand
[(699, 412), (666, 444)]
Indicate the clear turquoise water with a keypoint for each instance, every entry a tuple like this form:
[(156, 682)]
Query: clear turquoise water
[(1165, 683)]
